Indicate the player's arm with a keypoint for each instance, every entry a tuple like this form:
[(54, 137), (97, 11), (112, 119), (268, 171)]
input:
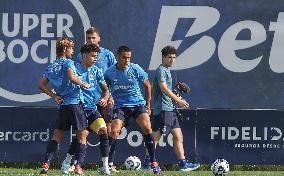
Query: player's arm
[(148, 89), (73, 78), (164, 88), (104, 96), (43, 86)]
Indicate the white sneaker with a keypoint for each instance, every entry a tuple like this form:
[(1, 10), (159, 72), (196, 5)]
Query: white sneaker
[(113, 168), (105, 171), (66, 168), (72, 168)]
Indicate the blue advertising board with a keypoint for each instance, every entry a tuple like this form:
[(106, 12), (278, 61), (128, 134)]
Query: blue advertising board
[(229, 52), (25, 132), (240, 136)]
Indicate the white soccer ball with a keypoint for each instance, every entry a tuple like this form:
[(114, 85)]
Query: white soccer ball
[(132, 163), (220, 167)]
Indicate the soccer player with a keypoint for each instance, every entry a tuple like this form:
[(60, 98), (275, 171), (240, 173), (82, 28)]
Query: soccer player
[(61, 74), (104, 60), (164, 118), (93, 76), (124, 79)]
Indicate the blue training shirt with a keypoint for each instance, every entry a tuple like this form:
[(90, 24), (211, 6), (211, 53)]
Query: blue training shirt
[(56, 73), (124, 85), (104, 60), (161, 102), (95, 78)]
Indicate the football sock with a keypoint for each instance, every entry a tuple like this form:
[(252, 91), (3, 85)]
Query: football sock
[(112, 144), (50, 151), (105, 161), (80, 153), (72, 147), (104, 145), (150, 145)]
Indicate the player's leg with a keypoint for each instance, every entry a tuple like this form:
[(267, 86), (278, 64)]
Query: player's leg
[(62, 124), (116, 125), (104, 147), (107, 113), (178, 144), (98, 125), (79, 122), (147, 161), (112, 148), (143, 120), (156, 124), (67, 164), (51, 150)]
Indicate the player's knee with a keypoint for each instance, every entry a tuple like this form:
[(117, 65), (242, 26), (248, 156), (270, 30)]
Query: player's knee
[(147, 130), (114, 133), (55, 138), (103, 130), (81, 140)]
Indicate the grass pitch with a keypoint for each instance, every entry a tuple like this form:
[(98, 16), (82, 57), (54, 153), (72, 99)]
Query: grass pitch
[(90, 172)]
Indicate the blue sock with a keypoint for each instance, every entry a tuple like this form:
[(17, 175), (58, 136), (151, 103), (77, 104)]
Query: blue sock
[(112, 144), (147, 161), (147, 158), (80, 153), (50, 151), (150, 145), (104, 145), (72, 147)]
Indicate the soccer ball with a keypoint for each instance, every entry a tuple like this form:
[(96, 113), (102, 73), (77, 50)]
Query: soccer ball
[(220, 167), (132, 163)]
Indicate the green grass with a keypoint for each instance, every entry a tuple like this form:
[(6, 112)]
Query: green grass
[(89, 172), (31, 169)]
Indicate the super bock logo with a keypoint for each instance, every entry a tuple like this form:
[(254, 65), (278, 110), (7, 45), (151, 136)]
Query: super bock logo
[(27, 43)]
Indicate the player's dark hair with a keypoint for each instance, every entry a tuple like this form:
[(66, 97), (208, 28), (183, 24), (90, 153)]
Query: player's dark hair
[(61, 44), (92, 30), (122, 49), (168, 50), (87, 48)]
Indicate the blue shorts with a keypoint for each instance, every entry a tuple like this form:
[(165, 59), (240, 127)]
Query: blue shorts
[(106, 112), (125, 113), (165, 121), (92, 115), (71, 115), (95, 120)]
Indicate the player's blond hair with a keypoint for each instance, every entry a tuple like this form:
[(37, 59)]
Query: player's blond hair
[(61, 45)]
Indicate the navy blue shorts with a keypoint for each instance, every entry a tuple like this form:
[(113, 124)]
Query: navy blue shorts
[(125, 113), (165, 121), (71, 115), (106, 112), (92, 115)]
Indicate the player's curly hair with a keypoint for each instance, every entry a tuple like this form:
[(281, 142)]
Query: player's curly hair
[(88, 47), (63, 43), (168, 50)]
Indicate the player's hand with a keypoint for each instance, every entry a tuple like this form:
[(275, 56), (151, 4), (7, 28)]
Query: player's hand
[(110, 102), (183, 104), (85, 85), (149, 111), (102, 102), (58, 99)]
